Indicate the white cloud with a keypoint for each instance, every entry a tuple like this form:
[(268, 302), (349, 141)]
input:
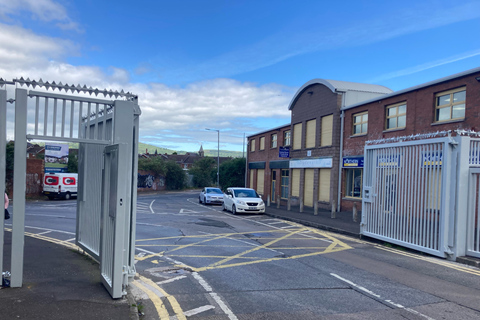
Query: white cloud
[(43, 10), (184, 112), (424, 66)]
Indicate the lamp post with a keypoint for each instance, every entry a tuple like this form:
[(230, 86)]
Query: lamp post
[(218, 156)]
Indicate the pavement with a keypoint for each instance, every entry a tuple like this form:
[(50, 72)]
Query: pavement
[(342, 223), (60, 282)]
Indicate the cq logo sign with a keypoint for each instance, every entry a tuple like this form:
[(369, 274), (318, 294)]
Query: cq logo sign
[(49, 180), (69, 181)]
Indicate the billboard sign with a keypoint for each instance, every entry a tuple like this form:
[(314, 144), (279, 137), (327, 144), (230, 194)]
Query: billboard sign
[(56, 158)]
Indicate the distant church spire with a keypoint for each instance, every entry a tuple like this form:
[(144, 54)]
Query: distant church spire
[(200, 152)]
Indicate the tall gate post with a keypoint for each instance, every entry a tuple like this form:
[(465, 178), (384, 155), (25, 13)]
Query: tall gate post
[(19, 187), (124, 132), (3, 140), (461, 201)]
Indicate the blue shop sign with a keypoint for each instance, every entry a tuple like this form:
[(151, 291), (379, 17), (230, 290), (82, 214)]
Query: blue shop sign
[(392, 161), (353, 162), (432, 158), (284, 152)]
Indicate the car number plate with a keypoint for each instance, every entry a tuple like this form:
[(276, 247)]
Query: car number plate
[(46, 192), (252, 208)]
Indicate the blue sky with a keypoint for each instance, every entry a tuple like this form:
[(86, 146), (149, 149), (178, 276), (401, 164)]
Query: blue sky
[(232, 65)]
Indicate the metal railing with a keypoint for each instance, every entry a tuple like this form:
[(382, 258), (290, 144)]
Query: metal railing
[(405, 191)]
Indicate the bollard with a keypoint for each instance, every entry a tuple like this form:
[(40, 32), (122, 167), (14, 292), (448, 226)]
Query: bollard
[(278, 204), (355, 215), (289, 205), (334, 212), (315, 208), (301, 204), (268, 200)]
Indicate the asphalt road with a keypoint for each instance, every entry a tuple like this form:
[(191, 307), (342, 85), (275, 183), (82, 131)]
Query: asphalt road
[(198, 262)]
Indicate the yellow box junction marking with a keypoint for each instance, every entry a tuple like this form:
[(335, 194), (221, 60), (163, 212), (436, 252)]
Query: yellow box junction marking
[(334, 245)]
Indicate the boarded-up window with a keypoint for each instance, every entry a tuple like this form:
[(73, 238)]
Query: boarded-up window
[(327, 130), (252, 175), (252, 145), (434, 185), (295, 182), (297, 136), (308, 188), (285, 178), (260, 180), (311, 134), (262, 143), (324, 185)]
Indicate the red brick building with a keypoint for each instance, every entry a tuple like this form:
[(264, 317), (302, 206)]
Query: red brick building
[(446, 104), (312, 175), (268, 163)]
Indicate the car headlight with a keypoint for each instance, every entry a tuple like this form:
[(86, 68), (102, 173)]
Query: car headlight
[(261, 203), (241, 202)]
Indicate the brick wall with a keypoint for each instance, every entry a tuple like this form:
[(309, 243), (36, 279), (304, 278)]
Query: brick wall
[(34, 179), (315, 102), (267, 155), (420, 118), (420, 114)]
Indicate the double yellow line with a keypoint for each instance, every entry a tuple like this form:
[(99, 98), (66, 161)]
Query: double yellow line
[(154, 292)]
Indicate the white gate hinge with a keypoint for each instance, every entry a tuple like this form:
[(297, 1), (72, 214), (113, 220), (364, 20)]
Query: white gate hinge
[(448, 251)]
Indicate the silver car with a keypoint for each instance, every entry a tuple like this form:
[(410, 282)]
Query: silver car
[(210, 196), (243, 200)]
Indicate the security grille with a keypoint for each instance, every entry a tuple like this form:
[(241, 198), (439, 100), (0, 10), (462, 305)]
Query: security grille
[(404, 194)]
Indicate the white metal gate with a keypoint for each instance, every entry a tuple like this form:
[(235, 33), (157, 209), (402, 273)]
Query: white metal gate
[(94, 124), (114, 209), (473, 233), (405, 188)]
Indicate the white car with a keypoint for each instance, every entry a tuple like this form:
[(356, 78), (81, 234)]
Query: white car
[(243, 200), (210, 196)]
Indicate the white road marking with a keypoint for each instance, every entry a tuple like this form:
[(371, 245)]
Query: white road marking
[(215, 296), (399, 306), (51, 230), (204, 284), (45, 215), (195, 311), (44, 232), (187, 211), (171, 280), (223, 306), (69, 240), (278, 222), (267, 224), (151, 209)]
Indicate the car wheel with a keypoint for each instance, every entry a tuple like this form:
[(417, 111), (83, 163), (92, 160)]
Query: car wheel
[(199, 200), (234, 210), (67, 196)]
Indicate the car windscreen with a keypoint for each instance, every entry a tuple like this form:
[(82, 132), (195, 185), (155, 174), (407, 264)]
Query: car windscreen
[(245, 194), (214, 190)]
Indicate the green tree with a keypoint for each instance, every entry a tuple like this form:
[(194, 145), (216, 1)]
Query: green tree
[(232, 173), (154, 164), (72, 165), (175, 177), (204, 172)]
